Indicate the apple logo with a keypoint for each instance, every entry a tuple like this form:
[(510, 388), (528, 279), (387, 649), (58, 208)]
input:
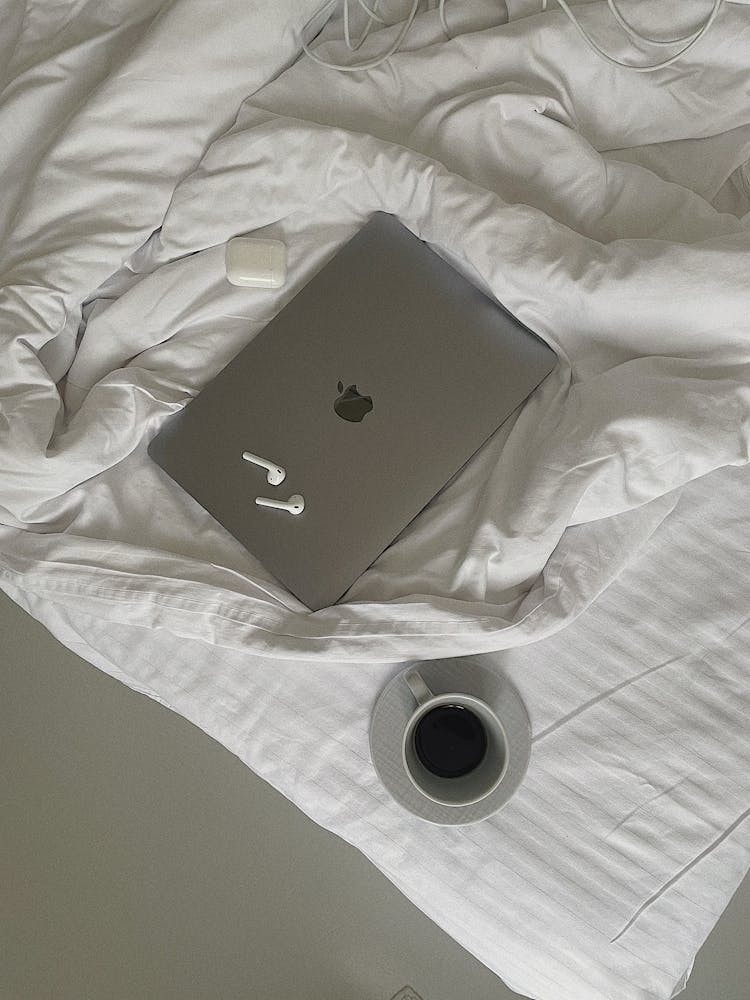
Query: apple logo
[(351, 404)]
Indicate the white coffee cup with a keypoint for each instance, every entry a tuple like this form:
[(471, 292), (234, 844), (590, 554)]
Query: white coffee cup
[(478, 783)]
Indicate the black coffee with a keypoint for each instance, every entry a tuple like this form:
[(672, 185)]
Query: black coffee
[(450, 741)]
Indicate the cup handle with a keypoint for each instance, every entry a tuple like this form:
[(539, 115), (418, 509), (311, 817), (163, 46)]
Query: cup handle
[(418, 687)]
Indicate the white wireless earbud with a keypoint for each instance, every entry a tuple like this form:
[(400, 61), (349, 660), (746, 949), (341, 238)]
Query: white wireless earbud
[(276, 475), (294, 505)]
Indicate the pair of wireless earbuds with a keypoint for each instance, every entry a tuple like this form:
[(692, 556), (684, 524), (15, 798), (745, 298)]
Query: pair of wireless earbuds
[(275, 476)]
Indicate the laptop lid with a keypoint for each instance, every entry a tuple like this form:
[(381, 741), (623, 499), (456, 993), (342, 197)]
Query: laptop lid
[(371, 388)]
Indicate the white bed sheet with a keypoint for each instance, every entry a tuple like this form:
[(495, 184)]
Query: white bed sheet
[(631, 831), (515, 151), (609, 211)]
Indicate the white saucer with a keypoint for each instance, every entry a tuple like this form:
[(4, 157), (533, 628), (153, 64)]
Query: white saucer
[(394, 708)]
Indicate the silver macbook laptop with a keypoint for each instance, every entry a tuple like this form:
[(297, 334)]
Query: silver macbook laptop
[(370, 390)]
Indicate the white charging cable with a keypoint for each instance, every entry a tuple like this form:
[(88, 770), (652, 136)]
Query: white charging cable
[(691, 37), (372, 15)]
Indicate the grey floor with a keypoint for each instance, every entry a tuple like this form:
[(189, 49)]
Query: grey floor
[(139, 860)]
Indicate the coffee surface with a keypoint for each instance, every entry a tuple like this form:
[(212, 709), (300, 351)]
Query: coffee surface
[(450, 741)]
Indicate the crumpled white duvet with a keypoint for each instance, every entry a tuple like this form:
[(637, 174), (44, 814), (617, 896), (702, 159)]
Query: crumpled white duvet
[(609, 211)]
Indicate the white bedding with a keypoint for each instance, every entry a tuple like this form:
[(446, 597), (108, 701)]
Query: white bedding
[(605, 873), (610, 211)]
